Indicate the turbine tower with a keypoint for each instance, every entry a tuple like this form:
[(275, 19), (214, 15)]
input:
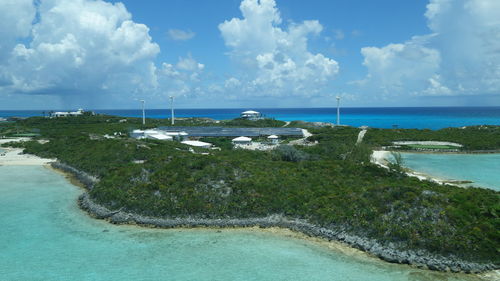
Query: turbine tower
[(143, 113), (172, 108), (338, 110)]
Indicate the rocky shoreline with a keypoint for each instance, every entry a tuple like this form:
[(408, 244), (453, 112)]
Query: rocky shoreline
[(418, 258)]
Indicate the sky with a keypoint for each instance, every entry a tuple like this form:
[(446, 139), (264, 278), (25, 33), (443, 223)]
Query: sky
[(62, 54)]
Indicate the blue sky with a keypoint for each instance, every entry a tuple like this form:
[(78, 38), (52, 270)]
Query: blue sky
[(249, 53), (349, 24)]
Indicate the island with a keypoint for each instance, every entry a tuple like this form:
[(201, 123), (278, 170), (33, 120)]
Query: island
[(323, 183)]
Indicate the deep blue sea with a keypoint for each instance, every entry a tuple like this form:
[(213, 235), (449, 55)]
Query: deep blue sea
[(379, 117)]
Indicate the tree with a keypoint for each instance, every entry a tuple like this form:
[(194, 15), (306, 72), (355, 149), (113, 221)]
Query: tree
[(397, 164)]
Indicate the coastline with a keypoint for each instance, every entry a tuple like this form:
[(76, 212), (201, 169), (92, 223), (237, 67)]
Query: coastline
[(379, 157), (338, 234), (334, 234), (446, 152), (16, 157)]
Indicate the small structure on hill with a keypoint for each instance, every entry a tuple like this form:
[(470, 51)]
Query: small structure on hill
[(273, 139), (242, 140), (79, 112), (197, 143), (151, 134), (159, 137), (251, 115), (156, 135), (137, 134)]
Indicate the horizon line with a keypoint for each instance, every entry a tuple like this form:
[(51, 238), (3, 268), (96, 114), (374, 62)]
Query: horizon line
[(195, 108)]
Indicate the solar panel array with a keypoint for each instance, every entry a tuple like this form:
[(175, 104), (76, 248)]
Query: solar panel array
[(234, 132)]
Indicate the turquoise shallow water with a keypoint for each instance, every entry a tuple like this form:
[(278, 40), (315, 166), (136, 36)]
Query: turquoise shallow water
[(44, 236), (482, 169)]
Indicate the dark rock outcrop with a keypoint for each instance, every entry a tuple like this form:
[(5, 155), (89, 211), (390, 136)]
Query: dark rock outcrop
[(88, 181)]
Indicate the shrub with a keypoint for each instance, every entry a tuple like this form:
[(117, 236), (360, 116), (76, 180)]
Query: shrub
[(290, 153)]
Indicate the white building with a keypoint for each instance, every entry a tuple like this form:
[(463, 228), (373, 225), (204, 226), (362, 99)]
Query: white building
[(67, 113), (274, 139), (159, 137), (242, 140), (137, 134), (251, 115), (151, 134), (197, 143)]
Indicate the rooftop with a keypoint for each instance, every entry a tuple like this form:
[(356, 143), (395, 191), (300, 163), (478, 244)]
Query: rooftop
[(242, 139), (196, 143), (250, 112), (234, 132)]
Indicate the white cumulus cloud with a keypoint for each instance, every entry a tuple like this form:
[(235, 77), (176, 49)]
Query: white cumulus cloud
[(276, 60), (184, 79), (180, 35), (190, 64), (78, 47), (84, 51), (15, 21), (460, 57)]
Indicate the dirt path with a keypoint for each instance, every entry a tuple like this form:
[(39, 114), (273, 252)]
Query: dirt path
[(361, 135)]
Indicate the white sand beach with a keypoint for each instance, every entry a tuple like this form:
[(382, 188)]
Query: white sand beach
[(15, 157), (380, 157)]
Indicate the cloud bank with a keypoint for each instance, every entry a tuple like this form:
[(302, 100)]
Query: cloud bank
[(87, 51), (275, 60), (78, 47), (461, 55), (82, 50)]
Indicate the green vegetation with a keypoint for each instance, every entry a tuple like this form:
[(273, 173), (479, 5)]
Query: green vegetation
[(329, 184), (309, 125), (290, 153), (240, 122), (397, 164), (429, 146), (472, 138), (222, 142)]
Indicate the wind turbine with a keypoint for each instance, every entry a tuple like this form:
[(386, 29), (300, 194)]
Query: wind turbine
[(338, 110), (143, 113), (172, 109)]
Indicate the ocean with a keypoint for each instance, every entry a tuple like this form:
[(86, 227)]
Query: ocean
[(45, 236), (377, 117)]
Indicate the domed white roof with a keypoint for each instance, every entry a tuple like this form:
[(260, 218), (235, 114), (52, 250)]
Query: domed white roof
[(242, 139), (250, 112)]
